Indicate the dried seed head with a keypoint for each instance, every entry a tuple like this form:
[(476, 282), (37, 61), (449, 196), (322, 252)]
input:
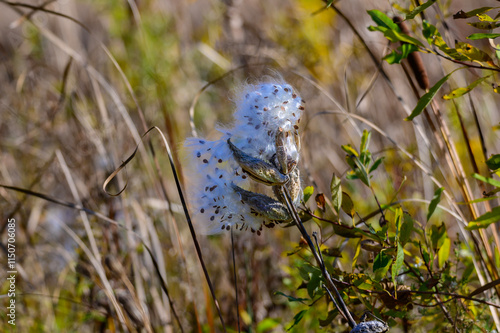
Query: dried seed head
[(221, 171), (370, 327)]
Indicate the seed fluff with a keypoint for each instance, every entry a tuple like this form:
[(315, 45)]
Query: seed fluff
[(220, 172)]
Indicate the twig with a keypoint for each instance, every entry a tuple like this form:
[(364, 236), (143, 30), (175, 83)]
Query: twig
[(343, 309)]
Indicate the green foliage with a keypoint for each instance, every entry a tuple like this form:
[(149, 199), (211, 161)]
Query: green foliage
[(361, 162), (427, 98), (434, 202), (493, 162), (462, 52), (308, 192)]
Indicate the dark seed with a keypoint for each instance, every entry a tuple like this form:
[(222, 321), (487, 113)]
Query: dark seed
[(198, 154)]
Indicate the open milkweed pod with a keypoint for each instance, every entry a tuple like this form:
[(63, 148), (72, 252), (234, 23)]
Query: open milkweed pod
[(221, 173)]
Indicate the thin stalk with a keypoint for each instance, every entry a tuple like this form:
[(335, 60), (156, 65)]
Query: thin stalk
[(291, 208), (235, 281)]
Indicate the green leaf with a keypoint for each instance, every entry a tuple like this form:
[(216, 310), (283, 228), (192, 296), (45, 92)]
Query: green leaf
[(487, 180), (406, 229), (485, 18), (438, 235), (485, 220), (365, 141), (375, 164), (444, 252), (419, 9), (483, 36), (297, 318), (314, 284), (382, 20), (356, 255), (347, 204), (396, 36), (365, 157), (434, 202), (398, 263), (493, 162), (433, 37), (397, 218), (463, 15), (363, 282), (484, 25), (350, 150), (336, 189), (381, 265), (474, 54), (308, 192), (427, 97), (462, 91), (402, 52), (291, 298)]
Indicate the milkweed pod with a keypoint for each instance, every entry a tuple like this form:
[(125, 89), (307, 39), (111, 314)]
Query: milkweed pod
[(256, 168)]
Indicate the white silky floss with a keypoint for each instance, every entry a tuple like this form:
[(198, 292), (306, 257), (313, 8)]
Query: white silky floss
[(262, 110)]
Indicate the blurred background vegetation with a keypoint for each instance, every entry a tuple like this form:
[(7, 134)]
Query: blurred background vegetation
[(81, 81)]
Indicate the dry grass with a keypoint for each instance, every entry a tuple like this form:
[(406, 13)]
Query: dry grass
[(77, 93)]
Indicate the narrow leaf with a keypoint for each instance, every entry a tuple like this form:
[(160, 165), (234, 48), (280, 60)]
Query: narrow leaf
[(487, 180), (382, 20), (375, 164), (444, 252), (462, 91), (419, 9), (365, 141), (484, 25), (427, 98), (434, 202), (483, 36), (398, 263), (336, 188), (297, 318), (463, 15), (485, 220), (356, 255)]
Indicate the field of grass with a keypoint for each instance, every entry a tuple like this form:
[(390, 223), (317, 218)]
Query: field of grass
[(399, 166)]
